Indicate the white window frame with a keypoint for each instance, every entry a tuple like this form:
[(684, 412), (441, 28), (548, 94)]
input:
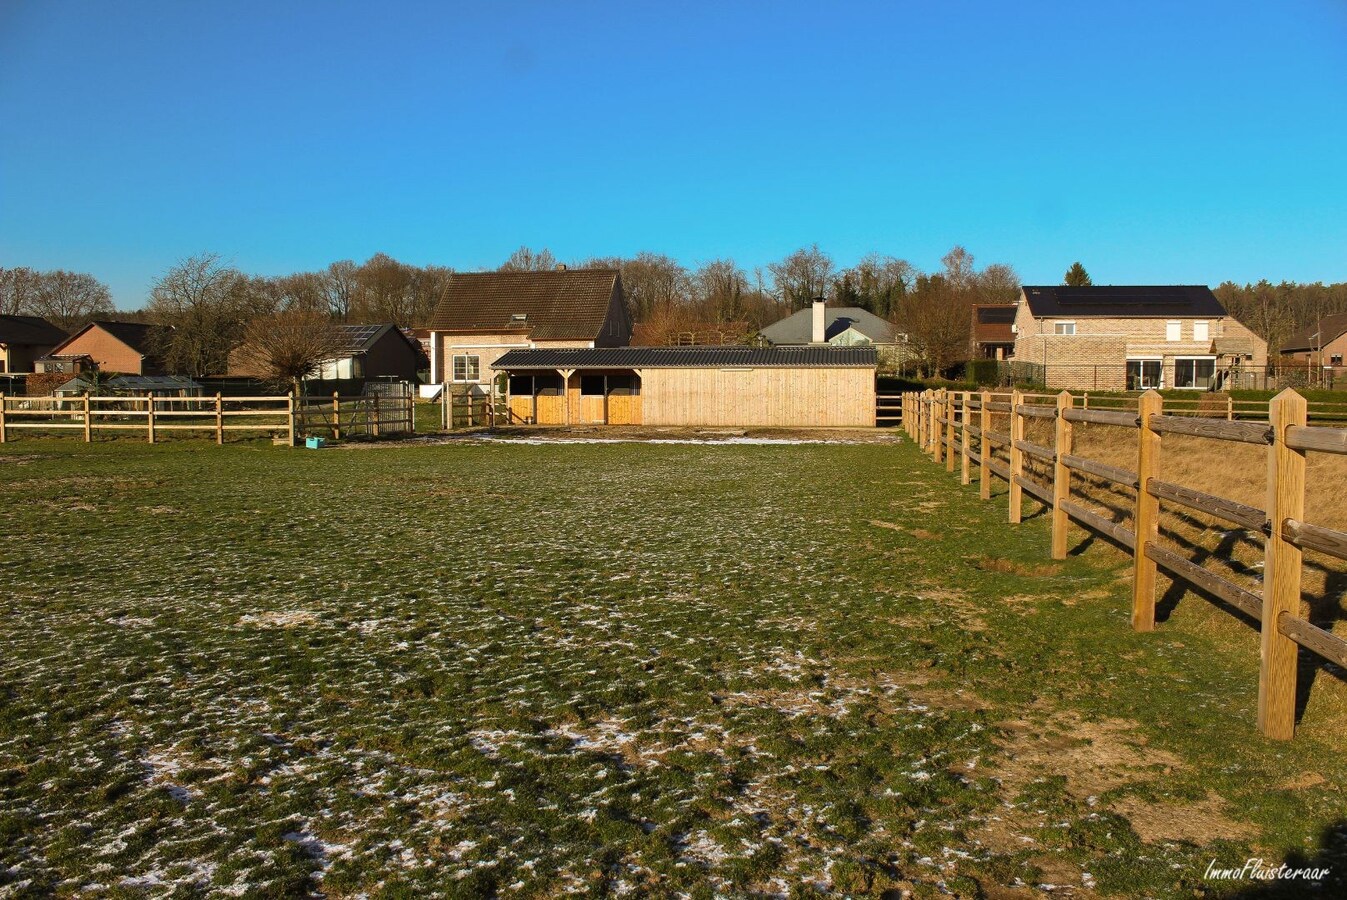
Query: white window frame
[(1201, 330), (1193, 358), (1173, 330), (472, 366), (1068, 324)]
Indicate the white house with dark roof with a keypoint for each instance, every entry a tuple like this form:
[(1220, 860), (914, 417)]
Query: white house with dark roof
[(1121, 337), (837, 326), (484, 315)]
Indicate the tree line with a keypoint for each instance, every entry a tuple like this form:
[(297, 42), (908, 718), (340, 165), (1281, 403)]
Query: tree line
[(213, 307)]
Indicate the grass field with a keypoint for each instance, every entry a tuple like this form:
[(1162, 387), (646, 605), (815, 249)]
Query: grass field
[(486, 668)]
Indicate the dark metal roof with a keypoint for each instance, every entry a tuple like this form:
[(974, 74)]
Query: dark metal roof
[(1123, 301), (822, 357), (1314, 336), (32, 331)]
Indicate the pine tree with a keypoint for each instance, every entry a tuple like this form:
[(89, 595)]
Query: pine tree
[(1076, 276)]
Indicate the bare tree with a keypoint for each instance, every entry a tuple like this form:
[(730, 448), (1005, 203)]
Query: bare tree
[(68, 299), (652, 281), (300, 291), (876, 283), (339, 288), (286, 347), (203, 305), (998, 283), (18, 290), (526, 259), (937, 318), (802, 276), (385, 290), (429, 286), (721, 288)]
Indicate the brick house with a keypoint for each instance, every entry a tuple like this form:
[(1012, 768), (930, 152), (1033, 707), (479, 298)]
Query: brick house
[(1118, 337), (124, 348), (1322, 344), (484, 315), (993, 330)]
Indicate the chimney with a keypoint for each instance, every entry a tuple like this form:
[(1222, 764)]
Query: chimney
[(819, 335), (561, 267)]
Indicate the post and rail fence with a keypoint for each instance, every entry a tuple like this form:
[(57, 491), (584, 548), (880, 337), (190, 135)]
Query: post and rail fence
[(973, 425), (286, 416)]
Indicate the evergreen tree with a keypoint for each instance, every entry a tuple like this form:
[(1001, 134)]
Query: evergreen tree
[(1076, 276)]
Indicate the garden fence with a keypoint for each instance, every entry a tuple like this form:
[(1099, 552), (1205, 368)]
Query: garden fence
[(286, 416), (962, 429)]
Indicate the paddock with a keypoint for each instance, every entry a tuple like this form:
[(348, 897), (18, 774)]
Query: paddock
[(795, 387)]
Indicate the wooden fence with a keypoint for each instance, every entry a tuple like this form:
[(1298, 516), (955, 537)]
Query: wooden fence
[(369, 415), (286, 416), (960, 429), (466, 409)]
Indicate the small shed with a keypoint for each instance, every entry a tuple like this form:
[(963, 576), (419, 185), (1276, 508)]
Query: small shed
[(788, 387)]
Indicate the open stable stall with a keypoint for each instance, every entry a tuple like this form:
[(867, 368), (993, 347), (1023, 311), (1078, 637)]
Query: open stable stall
[(788, 387)]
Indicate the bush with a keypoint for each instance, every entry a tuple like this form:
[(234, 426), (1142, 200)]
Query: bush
[(985, 372)]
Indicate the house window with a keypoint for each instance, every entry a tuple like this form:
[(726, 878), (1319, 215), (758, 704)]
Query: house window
[(1194, 373), (1174, 330), (1335, 359), (467, 368), (1064, 328), (1201, 332), (1144, 374)]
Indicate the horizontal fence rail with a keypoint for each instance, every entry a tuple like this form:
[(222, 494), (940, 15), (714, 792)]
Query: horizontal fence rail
[(971, 427), (286, 416)]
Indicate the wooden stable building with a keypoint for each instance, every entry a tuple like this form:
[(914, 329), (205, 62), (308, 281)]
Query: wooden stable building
[(785, 387)]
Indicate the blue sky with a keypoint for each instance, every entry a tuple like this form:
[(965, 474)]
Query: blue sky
[(1154, 141)]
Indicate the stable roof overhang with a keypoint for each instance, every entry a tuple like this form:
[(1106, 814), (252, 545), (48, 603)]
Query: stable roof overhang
[(712, 357)]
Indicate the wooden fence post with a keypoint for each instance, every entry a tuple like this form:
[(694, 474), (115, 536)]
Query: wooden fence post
[(921, 421), (1281, 571), (149, 418), (949, 430), (219, 418), (924, 420), (1146, 519), (985, 449), (1016, 458), (3, 403), (88, 421), (931, 423), (964, 476), (1229, 408), (290, 417), (937, 428), (336, 416), (1061, 476), (375, 425)]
